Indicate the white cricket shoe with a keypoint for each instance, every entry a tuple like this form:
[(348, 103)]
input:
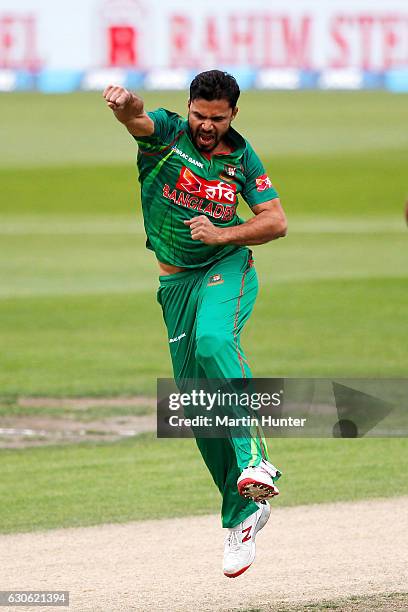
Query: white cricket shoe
[(257, 483), (239, 548)]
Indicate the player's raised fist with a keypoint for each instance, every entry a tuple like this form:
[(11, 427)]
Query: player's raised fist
[(128, 109), (117, 97), (126, 106)]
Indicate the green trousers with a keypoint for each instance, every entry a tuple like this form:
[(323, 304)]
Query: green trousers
[(205, 311)]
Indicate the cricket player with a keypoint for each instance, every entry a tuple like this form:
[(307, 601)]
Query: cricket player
[(191, 172)]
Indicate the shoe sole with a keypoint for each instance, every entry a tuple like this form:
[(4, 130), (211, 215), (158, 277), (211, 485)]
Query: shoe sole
[(258, 491), (263, 519), (241, 571)]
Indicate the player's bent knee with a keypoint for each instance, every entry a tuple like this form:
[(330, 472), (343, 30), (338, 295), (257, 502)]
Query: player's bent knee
[(211, 344)]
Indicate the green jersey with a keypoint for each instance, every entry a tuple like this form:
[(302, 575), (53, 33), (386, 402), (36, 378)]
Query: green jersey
[(178, 182)]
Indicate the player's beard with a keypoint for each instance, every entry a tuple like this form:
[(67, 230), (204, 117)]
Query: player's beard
[(205, 141)]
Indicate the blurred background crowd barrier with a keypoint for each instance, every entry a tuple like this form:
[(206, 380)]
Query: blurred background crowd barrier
[(58, 47)]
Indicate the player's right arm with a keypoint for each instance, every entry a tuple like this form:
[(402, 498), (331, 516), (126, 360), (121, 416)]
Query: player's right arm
[(128, 108)]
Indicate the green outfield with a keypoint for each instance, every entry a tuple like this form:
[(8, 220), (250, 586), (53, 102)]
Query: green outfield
[(141, 478), (78, 315)]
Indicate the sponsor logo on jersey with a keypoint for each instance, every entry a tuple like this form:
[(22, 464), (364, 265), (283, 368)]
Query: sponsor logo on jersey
[(215, 279), (263, 182), (211, 190), (177, 338), (199, 205), (187, 157)]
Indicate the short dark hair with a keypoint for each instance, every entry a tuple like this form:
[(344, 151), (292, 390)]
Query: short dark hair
[(215, 85)]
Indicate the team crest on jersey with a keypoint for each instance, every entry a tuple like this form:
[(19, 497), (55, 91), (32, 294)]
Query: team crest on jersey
[(229, 173), (230, 170), (215, 279), (263, 182)]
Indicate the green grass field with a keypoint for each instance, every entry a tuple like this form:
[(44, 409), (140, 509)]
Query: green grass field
[(86, 484), (77, 287)]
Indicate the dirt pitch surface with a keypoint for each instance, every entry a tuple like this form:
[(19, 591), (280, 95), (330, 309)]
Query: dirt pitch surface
[(70, 422), (305, 555)]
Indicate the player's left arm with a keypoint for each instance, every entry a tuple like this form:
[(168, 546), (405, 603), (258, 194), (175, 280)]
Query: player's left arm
[(268, 223)]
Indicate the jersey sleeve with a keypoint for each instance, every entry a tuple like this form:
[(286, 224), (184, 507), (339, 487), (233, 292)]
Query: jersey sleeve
[(258, 187), (166, 126)]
